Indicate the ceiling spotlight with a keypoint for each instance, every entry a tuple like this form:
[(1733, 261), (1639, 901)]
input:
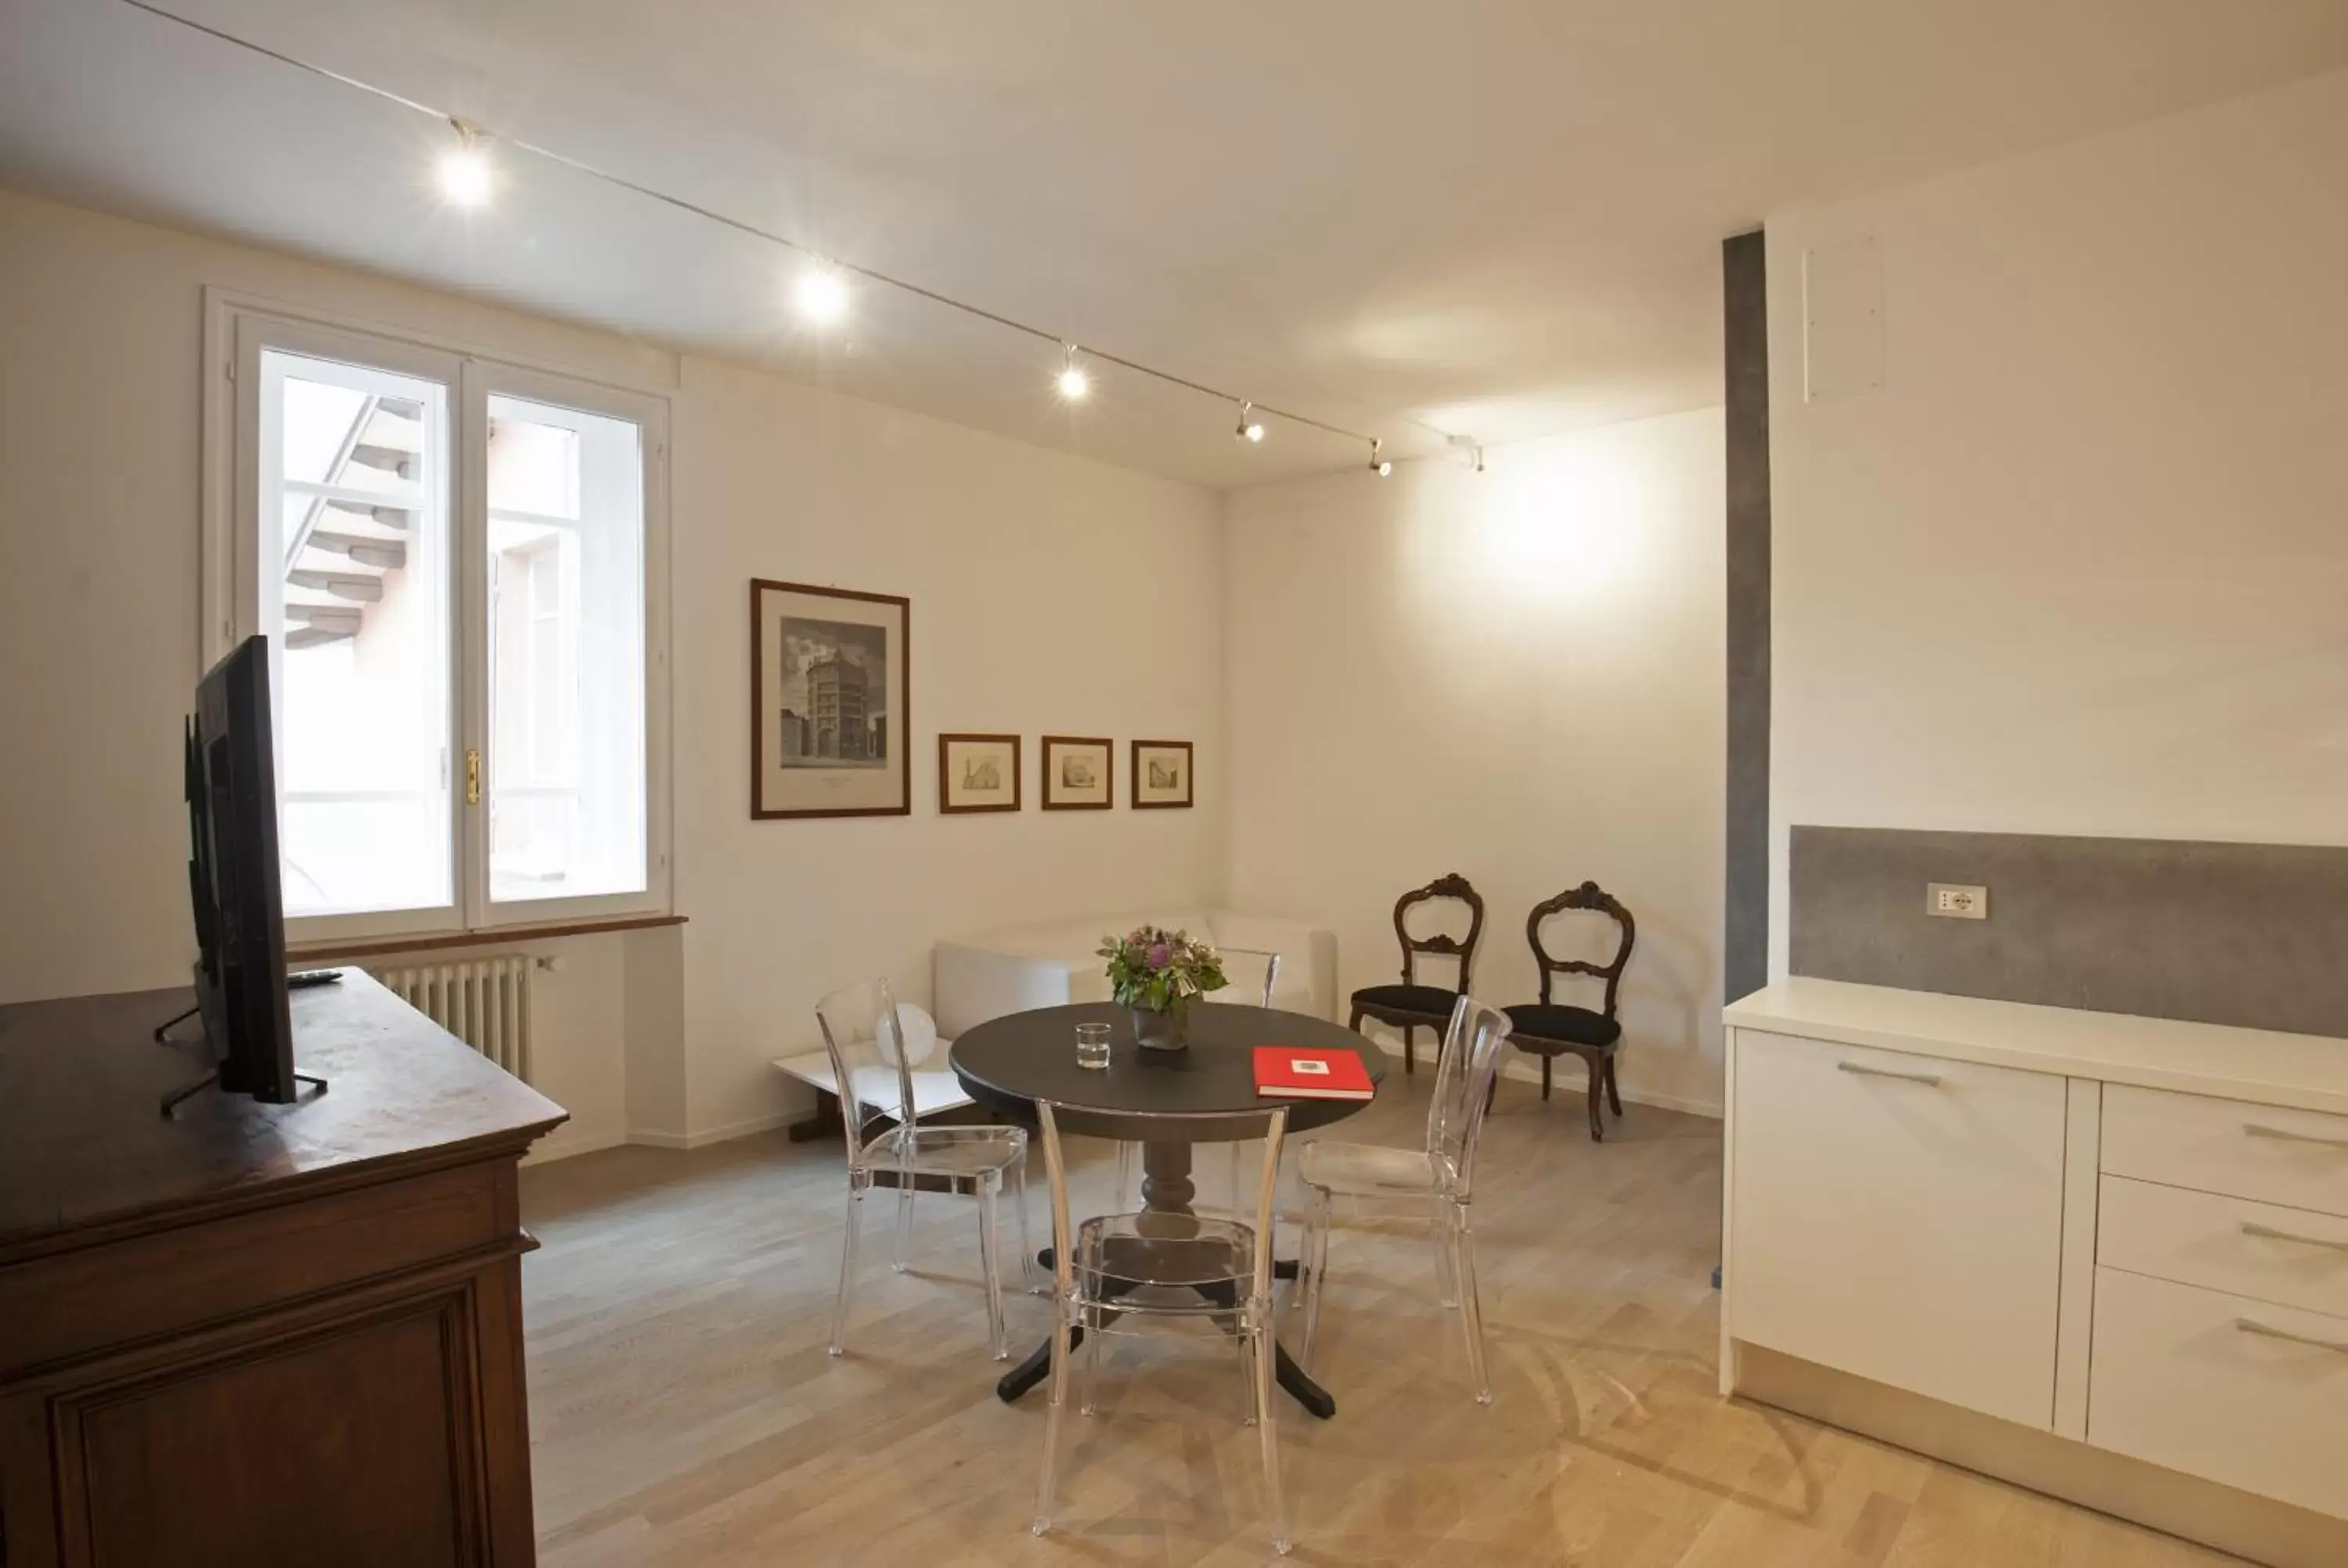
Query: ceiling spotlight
[(1380, 464), (1251, 427), (820, 293), (1072, 381), (464, 173)]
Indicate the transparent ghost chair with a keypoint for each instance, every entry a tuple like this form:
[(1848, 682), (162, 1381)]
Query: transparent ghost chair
[(1118, 1270), (1438, 1178), (873, 1062), (1240, 1197)]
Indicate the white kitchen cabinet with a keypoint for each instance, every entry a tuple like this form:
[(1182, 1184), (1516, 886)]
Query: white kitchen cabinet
[(2241, 1392), (1900, 1216), (2296, 1158), (2262, 1251), (2100, 1256)]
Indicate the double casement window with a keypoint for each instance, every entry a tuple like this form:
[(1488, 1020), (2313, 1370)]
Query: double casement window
[(461, 569)]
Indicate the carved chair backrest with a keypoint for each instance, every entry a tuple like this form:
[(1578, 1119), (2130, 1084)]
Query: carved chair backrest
[(1454, 887), (1589, 896)]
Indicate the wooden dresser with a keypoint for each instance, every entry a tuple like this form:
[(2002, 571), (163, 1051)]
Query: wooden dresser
[(261, 1335)]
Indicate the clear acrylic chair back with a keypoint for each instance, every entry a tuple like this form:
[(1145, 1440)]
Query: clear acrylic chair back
[(1270, 969), (1463, 1089), (1083, 1296), (861, 1034)]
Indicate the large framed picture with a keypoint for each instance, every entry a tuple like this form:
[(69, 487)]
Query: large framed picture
[(1079, 772), (828, 702), (978, 773), (1161, 774)]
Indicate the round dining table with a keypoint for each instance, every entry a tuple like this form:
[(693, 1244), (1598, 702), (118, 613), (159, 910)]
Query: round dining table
[(1010, 1062)]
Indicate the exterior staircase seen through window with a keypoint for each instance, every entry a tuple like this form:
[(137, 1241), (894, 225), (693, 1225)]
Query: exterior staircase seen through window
[(356, 529)]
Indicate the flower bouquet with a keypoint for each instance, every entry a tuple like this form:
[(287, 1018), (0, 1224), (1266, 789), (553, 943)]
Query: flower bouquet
[(1155, 973)]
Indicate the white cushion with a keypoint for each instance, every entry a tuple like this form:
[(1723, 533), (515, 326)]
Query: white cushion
[(981, 977), (921, 1033)]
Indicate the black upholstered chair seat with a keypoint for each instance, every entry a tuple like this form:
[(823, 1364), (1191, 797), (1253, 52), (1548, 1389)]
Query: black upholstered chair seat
[(1411, 1006), (1574, 1026), (1550, 1029), (1432, 1000)]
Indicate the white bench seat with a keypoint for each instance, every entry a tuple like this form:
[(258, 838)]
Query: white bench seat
[(935, 1086)]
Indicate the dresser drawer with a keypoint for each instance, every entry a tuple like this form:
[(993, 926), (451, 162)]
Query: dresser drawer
[(2296, 1158), (2212, 1385), (2258, 1250)]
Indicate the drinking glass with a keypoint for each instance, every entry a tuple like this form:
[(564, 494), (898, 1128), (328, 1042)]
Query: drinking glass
[(1092, 1045)]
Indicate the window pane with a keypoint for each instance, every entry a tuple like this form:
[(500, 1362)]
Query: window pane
[(566, 641), (353, 540)]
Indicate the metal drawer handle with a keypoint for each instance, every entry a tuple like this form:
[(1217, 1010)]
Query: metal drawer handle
[(1931, 1079), (2268, 1232), (2260, 1130), (2268, 1331)]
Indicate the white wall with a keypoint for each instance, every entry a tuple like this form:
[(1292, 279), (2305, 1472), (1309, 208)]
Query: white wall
[(101, 427), (2082, 565), (1517, 675), (1048, 593), (581, 1029)]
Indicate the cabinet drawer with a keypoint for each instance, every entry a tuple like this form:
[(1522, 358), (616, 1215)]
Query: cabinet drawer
[(2207, 1383), (62, 1305), (2258, 1250), (1899, 1217), (2296, 1158)]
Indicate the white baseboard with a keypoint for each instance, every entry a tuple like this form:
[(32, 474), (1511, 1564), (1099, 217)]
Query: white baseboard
[(559, 1148), (1569, 1075), (706, 1136)]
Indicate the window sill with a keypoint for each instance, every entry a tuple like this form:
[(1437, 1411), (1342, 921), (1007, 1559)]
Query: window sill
[(357, 946)]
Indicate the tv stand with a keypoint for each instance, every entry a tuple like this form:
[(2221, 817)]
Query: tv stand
[(261, 1334), (172, 1101)]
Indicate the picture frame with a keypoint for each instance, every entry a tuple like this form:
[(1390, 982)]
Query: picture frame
[(829, 701), (1079, 772), (1161, 775), (977, 772)]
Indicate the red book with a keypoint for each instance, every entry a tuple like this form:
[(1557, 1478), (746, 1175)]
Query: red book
[(1288, 1073)]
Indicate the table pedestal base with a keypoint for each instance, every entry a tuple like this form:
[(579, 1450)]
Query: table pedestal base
[(1315, 1398), (1166, 1189)]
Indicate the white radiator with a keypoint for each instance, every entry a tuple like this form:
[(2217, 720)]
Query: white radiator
[(485, 1002)]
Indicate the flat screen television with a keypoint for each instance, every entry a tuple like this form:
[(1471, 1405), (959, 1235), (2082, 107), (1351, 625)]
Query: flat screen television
[(232, 785)]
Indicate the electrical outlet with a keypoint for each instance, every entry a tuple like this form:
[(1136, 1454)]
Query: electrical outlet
[(1954, 901)]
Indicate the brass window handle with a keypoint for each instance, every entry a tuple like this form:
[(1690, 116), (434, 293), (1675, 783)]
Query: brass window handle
[(2268, 1232), (2268, 1331), (472, 776), (1930, 1080), (2260, 1130)]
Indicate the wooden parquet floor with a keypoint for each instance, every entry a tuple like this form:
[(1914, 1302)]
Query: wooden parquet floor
[(683, 1410)]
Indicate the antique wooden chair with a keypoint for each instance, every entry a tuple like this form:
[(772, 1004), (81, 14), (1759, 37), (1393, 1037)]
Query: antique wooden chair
[(1549, 1030), (1408, 1005)]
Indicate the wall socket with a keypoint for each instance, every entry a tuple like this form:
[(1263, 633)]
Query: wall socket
[(1956, 901)]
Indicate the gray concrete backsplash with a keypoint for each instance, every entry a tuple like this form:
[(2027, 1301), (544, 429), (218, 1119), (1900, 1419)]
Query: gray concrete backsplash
[(2254, 934)]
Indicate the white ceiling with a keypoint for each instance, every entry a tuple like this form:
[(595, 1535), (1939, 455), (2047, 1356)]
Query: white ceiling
[(1501, 218)]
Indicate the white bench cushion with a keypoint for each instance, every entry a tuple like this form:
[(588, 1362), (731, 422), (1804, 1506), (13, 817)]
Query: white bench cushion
[(978, 978)]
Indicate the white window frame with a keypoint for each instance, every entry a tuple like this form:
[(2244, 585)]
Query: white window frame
[(237, 329), (485, 379)]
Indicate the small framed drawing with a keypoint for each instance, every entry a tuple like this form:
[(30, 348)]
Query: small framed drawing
[(978, 773), (828, 702), (1079, 772), (1161, 774)]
